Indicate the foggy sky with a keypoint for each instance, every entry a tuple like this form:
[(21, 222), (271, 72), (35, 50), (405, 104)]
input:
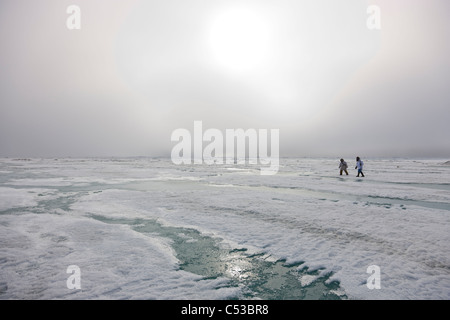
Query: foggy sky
[(138, 70)]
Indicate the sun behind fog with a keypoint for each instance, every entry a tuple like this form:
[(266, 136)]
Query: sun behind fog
[(239, 39)]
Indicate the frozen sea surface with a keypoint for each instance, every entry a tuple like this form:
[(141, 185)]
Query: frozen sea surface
[(148, 229)]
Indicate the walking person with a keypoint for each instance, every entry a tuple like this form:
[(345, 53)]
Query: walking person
[(343, 167), (359, 166)]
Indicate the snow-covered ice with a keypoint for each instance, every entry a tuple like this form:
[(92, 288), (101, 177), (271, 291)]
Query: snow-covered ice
[(148, 229)]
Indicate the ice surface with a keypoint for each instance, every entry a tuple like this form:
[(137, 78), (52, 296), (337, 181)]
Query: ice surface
[(16, 198), (307, 279), (115, 262), (86, 212)]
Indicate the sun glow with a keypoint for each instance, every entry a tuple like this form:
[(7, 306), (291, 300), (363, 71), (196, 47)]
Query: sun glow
[(240, 39)]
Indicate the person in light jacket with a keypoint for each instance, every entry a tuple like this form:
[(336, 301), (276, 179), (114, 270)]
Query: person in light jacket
[(343, 167), (359, 166)]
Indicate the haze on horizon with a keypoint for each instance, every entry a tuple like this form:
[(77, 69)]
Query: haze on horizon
[(138, 70)]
